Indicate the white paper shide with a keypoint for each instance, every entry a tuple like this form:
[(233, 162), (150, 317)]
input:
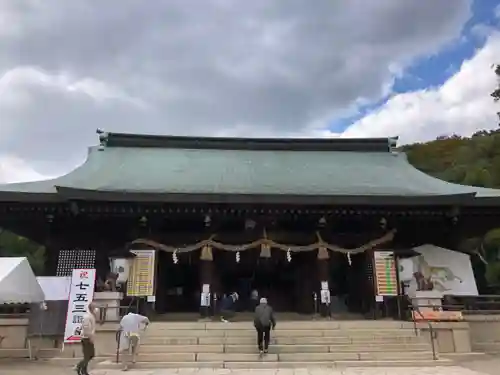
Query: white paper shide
[(81, 293)]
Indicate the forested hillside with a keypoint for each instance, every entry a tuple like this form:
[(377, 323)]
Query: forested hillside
[(470, 161)]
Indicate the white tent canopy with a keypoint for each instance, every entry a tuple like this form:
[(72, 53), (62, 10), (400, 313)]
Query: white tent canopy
[(18, 283), (55, 288)]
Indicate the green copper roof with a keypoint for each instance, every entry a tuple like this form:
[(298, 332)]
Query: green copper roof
[(248, 167)]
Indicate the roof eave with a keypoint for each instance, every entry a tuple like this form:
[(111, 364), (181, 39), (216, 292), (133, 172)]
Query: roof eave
[(210, 198), (16, 196), (493, 201)]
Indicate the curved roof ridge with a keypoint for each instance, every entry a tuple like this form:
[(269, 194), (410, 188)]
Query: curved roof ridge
[(254, 144)]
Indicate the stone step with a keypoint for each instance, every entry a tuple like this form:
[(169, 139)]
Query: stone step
[(14, 353), (282, 357), (245, 340), (278, 333), (293, 325), (283, 348), (152, 330), (70, 362), (263, 364)]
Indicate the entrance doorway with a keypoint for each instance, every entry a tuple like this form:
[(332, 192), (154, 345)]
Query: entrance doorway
[(177, 285), (286, 284), (351, 284)]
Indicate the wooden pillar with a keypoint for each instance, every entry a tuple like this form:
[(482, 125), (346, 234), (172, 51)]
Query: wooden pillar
[(206, 278), (54, 242), (323, 268), (308, 286)]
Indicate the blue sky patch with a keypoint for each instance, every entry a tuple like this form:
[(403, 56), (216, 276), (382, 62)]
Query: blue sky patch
[(435, 70)]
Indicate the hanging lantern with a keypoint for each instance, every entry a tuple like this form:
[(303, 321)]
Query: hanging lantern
[(265, 251), (175, 259), (323, 253), (206, 253), (289, 255), (238, 257), (120, 264), (349, 260)]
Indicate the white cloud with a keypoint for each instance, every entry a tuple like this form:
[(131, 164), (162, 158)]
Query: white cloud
[(497, 11), (16, 170), (281, 68), (462, 105), (22, 79)]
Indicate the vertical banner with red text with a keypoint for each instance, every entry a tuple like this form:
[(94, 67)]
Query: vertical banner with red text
[(81, 293)]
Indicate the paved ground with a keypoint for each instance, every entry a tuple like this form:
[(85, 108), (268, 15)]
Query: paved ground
[(488, 367)]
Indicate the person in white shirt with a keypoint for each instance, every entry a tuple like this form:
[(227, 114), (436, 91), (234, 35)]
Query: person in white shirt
[(131, 327), (88, 337)]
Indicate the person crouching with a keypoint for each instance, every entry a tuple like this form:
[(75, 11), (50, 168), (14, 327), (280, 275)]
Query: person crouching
[(131, 326), (227, 306)]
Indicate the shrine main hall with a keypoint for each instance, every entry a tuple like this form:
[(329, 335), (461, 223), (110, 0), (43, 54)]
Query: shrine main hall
[(287, 217)]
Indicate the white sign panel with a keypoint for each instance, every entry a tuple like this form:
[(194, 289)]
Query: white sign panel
[(81, 293), (449, 272), (325, 296), (205, 300)]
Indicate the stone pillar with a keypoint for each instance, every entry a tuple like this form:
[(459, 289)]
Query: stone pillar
[(323, 267), (206, 278)]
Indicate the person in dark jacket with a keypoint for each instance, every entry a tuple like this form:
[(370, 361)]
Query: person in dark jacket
[(227, 306), (264, 321)]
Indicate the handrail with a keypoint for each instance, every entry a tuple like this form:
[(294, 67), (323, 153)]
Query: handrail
[(429, 324)]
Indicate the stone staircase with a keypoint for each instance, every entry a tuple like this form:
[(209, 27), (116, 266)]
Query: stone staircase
[(293, 344)]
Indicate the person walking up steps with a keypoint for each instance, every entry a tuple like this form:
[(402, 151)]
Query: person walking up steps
[(264, 321), (131, 326)]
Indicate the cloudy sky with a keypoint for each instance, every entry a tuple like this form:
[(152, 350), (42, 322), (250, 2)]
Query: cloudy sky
[(322, 68)]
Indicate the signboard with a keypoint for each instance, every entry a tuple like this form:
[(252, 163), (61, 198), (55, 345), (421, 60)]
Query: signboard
[(325, 297), (443, 316), (385, 273), (142, 274), (205, 299), (441, 270), (81, 293)]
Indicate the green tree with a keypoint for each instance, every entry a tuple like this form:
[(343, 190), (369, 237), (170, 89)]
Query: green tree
[(471, 161), (496, 93), (13, 245)]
